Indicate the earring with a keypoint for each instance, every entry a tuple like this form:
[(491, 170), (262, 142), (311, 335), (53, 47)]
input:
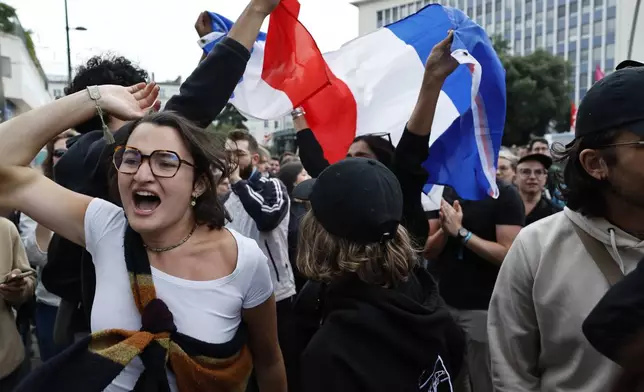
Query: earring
[(194, 201)]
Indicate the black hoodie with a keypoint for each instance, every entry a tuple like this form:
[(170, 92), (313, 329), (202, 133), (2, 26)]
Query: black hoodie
[(377, 339)]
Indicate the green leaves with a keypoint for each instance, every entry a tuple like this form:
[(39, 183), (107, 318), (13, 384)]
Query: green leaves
[(538, 94)]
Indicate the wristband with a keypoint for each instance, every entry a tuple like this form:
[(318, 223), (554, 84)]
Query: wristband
[(297, 112), (95, 95)]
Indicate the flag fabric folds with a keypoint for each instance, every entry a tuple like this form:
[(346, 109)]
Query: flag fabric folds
[(371, 84)]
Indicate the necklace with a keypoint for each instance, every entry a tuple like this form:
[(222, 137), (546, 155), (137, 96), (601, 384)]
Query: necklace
[(167, 248)]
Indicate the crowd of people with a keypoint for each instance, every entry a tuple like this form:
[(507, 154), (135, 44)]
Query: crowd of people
[(150, 255)]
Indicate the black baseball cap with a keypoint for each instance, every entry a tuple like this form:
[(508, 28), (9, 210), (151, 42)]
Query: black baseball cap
[(616, 101), (628, 64), (357, 198), (545, 160)]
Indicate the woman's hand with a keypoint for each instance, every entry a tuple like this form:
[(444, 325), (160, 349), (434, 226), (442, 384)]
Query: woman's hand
[(129, 103)]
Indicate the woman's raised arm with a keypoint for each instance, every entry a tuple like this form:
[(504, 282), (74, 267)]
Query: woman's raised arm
[(24, 136)]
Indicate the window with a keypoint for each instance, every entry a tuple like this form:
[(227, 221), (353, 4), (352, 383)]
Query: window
[(403, 11), (610, 51), (583, 55), (517, 45), (488, 17), (612, 3), (550, 39), (561, 11), (585, 6), (610, 25), (162, 94), (387, 16), (597, 54), (585, 30), (561, 36), (550, 14), (394, 16), (572, 55), (527, 45), (379, 22), (58, 93), (539, 17), (599, 4), (572, 34), (410, 9), (5, 64), (277, 124), (573, 7), (583, 80), (419, 5), (497, 6), (265, 124)]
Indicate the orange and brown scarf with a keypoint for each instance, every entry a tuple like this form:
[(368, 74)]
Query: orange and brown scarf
[(93, 362)]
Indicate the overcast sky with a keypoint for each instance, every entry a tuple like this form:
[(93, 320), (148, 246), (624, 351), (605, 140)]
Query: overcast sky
[(158, 34)]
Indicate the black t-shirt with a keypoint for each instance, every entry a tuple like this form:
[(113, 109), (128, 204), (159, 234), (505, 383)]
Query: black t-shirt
[(466, 280), (543, 209)]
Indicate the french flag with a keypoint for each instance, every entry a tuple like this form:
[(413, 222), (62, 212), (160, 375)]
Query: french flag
[(371, 84)]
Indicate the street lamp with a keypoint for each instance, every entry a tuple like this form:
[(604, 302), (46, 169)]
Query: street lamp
[(69, 50)]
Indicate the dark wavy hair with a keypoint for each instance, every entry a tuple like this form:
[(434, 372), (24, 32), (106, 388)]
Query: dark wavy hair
[(207, 152), (288, 174), (100, 70), (382, 149), (582, 192)]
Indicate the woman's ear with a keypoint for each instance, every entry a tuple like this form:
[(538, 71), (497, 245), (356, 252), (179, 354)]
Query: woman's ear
[(201, 185)]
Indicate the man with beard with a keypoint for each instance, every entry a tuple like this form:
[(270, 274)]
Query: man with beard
[(559, 267), (258, 207)]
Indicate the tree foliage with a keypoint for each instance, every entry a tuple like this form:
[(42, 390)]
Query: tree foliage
[(538, 94), (229, 119)]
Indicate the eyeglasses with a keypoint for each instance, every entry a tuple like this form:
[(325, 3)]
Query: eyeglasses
[(384, 135), (529, 172), (163, 163), (58, 153)]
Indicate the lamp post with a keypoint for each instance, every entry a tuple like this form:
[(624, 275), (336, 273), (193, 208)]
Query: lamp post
[(69, 50)]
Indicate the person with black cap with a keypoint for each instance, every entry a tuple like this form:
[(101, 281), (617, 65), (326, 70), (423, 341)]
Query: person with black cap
[(384, 326), (560, 267), (532, 174)]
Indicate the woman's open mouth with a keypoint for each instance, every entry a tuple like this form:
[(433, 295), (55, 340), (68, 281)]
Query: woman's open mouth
[(145, 202)]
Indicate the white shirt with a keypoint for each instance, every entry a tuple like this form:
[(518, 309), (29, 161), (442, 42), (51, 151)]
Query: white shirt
[(209, 311)]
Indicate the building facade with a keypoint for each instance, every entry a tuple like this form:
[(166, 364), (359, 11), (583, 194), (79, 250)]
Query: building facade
[(24, 84), (264, 130), (589, 34)]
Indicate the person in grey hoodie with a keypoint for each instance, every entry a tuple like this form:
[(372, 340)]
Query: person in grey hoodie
[(556, 270)]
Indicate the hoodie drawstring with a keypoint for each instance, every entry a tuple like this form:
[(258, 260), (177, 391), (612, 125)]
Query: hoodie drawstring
[(613, 244)]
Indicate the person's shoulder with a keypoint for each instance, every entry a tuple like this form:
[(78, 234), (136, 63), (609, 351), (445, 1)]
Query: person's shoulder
[(7, 227), (544, 231), (247, 247)]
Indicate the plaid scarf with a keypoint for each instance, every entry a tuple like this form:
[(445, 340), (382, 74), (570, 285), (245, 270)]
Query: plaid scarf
[(94, 362)]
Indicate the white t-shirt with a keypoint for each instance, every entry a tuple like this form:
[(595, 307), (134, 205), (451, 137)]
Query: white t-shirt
[(209, 311)]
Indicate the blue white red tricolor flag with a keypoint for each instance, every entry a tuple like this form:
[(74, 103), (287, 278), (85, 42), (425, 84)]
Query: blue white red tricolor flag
[(370, 85)]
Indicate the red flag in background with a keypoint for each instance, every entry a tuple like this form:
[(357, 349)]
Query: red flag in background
[(573, 116), (599, 74)]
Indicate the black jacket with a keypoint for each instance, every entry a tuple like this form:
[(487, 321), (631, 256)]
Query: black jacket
[(377, 339), (410, 153), (83, 168), (615, 327)]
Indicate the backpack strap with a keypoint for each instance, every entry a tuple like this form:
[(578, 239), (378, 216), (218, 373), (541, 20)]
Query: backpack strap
[(600, 255)]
